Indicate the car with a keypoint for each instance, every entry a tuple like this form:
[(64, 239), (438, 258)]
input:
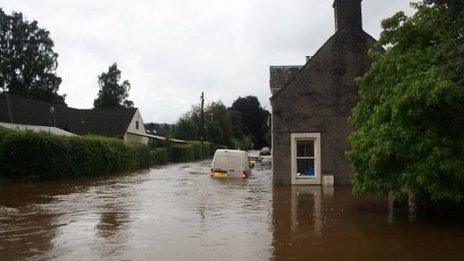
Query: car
[(265, 151), (254, 159), (230, 164)]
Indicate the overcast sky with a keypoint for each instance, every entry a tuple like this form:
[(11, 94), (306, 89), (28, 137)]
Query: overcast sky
[(172, 50)]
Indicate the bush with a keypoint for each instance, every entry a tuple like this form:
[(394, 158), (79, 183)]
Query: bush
[(3, 133), (244, 143), (409, 137), (191, 151), (29, 156), (159, 156), (42, 156)]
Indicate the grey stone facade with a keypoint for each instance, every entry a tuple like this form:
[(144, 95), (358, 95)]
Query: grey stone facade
[(319, 97), (281, 75)]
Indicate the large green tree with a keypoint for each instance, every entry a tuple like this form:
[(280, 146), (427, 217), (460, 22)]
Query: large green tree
[(254, 119), (218, 124), (112, 94), (410, 118), (222, 126), (27, 60)]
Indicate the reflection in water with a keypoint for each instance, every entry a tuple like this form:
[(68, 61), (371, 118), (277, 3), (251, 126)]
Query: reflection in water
[(179, 213), (306, 208), (311, 223), (27, 227), (111, 229), (111, 223)]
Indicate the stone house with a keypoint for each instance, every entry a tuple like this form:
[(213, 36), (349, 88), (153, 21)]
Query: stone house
[(311, 104)]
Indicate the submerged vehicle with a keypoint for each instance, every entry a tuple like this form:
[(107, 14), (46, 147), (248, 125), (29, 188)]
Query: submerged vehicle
[(230, 164), (254, 159), (265, 151)]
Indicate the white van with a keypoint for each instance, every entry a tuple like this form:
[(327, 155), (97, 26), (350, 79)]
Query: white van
[(230, 164)]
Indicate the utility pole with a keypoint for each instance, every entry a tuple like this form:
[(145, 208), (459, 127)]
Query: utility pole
[(202, 120)]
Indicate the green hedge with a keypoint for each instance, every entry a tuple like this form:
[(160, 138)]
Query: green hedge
[(244, 143), (42, 156), (159, 156), (30, 156), (191, 151)]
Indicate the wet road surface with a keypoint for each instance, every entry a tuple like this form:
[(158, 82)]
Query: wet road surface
[(178, 212)]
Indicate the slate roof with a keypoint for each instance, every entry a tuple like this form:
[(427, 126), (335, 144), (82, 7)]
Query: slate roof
[(281, 75), (107, 122), (338, 34)]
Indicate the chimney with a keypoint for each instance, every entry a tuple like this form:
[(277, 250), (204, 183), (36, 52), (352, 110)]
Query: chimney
[(348, 14)]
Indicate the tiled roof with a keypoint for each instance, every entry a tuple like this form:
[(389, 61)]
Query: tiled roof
[(107, 122)]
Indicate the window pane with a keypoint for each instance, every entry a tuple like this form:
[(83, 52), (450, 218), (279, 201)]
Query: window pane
[(305, 168), (305, 148)]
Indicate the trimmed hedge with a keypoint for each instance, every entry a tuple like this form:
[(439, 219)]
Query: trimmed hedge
[(191, 151), (159, 156), (30, 156), (42, 156)]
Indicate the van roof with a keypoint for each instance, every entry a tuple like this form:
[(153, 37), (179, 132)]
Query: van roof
[(231, 152)]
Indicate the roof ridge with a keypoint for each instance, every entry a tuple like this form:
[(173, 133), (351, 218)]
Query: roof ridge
[(310, 60), (284, 66), (61, 105)]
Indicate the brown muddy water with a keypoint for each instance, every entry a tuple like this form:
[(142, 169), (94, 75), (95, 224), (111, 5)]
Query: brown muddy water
[(179, 213)]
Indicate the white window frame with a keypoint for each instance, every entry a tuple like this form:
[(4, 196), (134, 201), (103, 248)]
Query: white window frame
[(317, 179)]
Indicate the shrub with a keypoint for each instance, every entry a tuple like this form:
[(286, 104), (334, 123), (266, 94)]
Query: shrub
[(409, 136), (26, 155), (42, 156), (191, 151), (159, 156), (244, 143)]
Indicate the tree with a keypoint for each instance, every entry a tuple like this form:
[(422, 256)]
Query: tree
[(112, 94), (254, 118), (27, 60), (410, 118), (223, 125), (218, 124), (186, 127), (161, 129)]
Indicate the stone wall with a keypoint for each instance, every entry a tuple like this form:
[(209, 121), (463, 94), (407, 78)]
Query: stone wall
[(319, 99)]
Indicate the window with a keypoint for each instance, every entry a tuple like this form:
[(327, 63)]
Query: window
[(137, 125), (306, 158)]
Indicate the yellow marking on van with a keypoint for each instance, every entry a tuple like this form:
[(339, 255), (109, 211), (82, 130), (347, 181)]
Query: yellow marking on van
[(220, 175)]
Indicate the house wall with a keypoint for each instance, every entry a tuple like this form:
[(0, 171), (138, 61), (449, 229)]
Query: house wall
[(132, 128), (319, 100)]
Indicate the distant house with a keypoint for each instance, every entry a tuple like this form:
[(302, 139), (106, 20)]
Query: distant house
[(311, 104), (122, 123)]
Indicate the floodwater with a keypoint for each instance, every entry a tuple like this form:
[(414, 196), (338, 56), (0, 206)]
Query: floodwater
[(178, 212)]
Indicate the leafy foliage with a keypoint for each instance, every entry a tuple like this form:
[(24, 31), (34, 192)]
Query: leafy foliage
[(218, 124), (41, 156), (112, 94), (239, 127), (254, 119), (27, 60), (410, 118), (161, 129), (30, 156), (191, 151)]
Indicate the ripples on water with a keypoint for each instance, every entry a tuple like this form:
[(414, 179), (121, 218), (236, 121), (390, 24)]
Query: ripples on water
[(179, 213)]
